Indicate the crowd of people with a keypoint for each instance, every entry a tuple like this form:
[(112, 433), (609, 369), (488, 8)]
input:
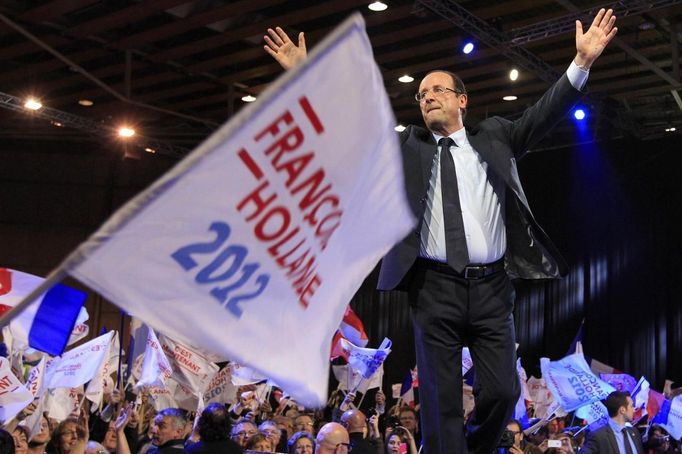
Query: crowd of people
[(135, 427)]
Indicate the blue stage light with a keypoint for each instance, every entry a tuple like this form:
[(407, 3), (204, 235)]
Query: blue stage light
[(468, 47), (579, 114)]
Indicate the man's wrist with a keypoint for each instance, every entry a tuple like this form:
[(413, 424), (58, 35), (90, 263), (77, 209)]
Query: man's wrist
[(582, 62)]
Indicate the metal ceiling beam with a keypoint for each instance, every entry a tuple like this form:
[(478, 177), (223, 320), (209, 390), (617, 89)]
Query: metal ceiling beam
[(629, 50), (64, 119), (487, 34), (566, 24)]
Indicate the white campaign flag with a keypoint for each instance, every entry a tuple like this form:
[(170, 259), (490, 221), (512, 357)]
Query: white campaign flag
[(156, 369), (14, 396), (101, 383), (221, 389), (349, 382), (244, 375), (35, 383), (540, 396), (271, 225), (188, 367), (79, 365), (63, 402), (572, 382)]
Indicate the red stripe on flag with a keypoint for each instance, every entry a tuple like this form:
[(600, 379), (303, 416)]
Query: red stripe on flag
[(312, 116), (250, 163), (5, 281)]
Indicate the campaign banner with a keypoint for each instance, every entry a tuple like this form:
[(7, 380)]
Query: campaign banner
[(188, 367), (156, 368), (540, 396), (221, 389), (572, 383), (271, 225), (14, 396), (79, 365)]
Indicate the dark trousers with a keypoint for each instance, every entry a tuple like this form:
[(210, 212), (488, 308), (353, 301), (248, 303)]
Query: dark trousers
[(448, 313)]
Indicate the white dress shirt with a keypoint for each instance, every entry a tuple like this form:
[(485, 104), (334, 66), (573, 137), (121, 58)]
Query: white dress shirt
[(481, 196)]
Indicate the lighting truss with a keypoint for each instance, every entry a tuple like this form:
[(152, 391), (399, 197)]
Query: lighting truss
[(11, 102), (487, 34), (566, 24)]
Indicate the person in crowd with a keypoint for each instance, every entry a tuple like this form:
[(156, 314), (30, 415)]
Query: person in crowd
[(285, 425), (214, 428), (409, 419), (566, 441), (617, 436), (521, 445), (259, 443), (70, 437), (658, 442), (476, 231), (399, 440), (6, 442), (242, 431), (355, 423), (21, 436), (304, 422), (301, 443), (270, 429), (168, 432), (38, 444), (332, 438)]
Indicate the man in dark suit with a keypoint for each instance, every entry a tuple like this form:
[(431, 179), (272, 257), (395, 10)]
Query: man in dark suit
[(616, 437), (475, 223)]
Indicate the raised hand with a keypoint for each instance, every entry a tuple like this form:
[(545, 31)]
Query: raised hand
[(592, 43), (283, 49)]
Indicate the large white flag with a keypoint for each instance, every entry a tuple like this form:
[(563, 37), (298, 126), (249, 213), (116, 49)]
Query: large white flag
[(221, 389), (572, 382), (102, 383), (271, 225), (79, 365)]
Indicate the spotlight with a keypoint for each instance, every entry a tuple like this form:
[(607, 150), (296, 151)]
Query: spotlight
[(150, 150), (514, 74), (579, 114), (377, 6), (85, 102), (126, 132), (405, 79), (248, 98), (671, 129), (399, 128), (468, 47), (33, 104), (510, 98)]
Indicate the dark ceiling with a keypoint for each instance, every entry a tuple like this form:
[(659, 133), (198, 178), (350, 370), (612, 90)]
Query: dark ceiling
[(177, 69)]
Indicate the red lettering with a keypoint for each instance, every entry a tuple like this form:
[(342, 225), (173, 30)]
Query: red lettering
[(281, 216), (272, 128), (312, 116), (314, 182), (257, 200), (250, 163), (309, 290)]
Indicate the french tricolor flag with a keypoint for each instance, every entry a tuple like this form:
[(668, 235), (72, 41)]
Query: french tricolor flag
[(48, 322)]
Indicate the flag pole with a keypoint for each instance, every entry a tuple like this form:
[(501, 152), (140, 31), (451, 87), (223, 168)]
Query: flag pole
[(53, 278), (120, 349)]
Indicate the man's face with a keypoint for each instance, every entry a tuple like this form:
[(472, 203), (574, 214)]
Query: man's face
[(305, 423), (629, 410), (242, 432), (408, 420), (518, 434), (164, 431), (441, 111)]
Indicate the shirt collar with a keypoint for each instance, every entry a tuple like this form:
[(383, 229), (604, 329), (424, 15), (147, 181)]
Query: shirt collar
[(615, 426), (459, 136)]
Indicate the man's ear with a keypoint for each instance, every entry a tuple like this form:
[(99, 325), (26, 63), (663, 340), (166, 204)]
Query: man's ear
[(463, 101)]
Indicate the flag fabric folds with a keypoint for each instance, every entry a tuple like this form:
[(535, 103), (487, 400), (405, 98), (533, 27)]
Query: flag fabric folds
[(14, 396), (79, 365), (269, 227), (670, 417), (351, 328), (366, 361), (48, 323), (572, 382)]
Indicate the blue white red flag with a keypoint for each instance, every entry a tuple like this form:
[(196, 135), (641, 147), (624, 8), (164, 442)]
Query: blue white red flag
[(50, 321), (267, 229), (670, 417)]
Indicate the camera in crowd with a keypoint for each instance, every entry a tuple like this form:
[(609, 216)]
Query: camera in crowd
[(507, 440)]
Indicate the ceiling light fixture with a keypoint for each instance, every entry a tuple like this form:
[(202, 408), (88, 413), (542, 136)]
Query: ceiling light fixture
[(150, 150), (248, 98), (126, 132), (510, 98), (671, 129), (514, 74), (33, 104), (377, 6), (85, 102), (468, 47), (405, 79)]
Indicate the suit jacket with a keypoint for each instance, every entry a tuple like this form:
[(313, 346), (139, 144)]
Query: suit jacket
[(603, 441), (500, 143)]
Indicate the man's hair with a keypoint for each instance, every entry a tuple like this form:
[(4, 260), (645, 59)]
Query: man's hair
[(615, 400), (214, 423), (176, 415), (241, 422), (457, 82), (408, 409), (517, 423)]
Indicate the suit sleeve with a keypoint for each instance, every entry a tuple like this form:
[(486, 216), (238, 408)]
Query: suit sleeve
[(540, 118), (591, 445)]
